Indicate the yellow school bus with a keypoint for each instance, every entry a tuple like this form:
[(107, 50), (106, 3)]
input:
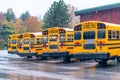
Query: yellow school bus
[(27, 45), (36, 44), (97, 40), (12, 43), (58, 42)]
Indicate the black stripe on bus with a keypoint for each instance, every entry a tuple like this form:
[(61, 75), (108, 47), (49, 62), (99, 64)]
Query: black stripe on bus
[(114, 47), (113, 39), (109, 44), (37, 47), (67, 45)]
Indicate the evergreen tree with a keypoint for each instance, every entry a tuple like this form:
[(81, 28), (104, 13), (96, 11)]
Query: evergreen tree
[(57, 15), (7, 29), (25, 15), (10, 16)]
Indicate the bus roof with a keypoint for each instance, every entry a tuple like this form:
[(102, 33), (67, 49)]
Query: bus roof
[(67, 29), (37, 33), (106, 23)]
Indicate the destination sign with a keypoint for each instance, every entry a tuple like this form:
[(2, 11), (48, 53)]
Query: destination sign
[(89, 26), (53, 31)]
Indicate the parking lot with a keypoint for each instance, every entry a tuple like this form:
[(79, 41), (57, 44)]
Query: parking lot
[(13, 67)]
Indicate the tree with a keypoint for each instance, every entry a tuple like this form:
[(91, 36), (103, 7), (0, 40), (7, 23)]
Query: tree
[(33, 24), (10, 16), (25, 15), (20, 26), (7, 29), (2, 17), (57, 15)]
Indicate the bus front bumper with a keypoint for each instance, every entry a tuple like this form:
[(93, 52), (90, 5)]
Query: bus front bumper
[(12, 52), (26, 54), (91, 56), (55, 54)]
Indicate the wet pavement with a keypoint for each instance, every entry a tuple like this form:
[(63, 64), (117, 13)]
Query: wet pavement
[(13, 67)]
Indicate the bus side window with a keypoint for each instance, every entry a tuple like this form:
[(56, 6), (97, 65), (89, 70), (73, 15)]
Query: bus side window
[(117, 34), (109, 34), (113, 34), (70, 37)]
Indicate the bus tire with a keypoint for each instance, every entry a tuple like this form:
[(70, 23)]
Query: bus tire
[(102, 62), (44, 58), (66, 59), (29, 57)]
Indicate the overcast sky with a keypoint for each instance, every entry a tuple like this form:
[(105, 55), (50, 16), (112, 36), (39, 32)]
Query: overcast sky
[(39, 7)]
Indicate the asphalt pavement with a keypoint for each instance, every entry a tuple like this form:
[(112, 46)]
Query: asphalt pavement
[(13, 67)]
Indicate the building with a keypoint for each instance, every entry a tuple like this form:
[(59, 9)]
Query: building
[(74, 19), (108, 13)]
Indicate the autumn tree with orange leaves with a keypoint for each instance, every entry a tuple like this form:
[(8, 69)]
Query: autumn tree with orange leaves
[(33, 24), (20, 26)]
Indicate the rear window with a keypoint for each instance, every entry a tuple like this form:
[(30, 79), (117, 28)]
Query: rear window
[(101, 34), (89, 35), (77, 35)]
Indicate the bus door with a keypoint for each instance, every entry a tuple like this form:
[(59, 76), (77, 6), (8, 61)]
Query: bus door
[(89, 44), (32, 42), (9, 44), (69, 43), (39, 45), (45, 43), (26, 45), (101, 37), (14, 45), (62, 42), (53, 42)]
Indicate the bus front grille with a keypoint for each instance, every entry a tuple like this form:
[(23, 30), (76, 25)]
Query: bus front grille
[(89, 46)]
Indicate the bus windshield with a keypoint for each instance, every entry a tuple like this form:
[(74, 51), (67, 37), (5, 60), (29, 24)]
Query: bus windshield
[(26, 41), (14, 41), (53, 37), (89, 35), (62, 37), (77, 35), (39, 41), (101, 34)]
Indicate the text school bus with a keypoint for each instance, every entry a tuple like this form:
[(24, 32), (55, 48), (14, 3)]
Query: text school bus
[(30, 44), (97, 40), (13, 43), (58, 42)]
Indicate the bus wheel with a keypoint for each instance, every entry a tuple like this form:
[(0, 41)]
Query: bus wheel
[(102, 62), (66, 59), (29, 57), (44, 58)]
